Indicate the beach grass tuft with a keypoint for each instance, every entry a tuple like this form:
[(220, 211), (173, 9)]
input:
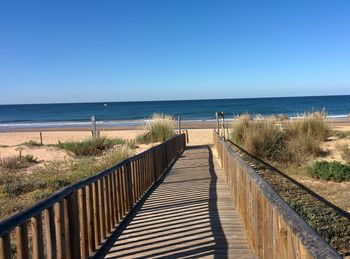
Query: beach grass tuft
[(159, 128), (90, 147), (294, 142)]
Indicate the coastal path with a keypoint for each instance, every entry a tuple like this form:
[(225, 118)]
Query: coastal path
[(190, 214)]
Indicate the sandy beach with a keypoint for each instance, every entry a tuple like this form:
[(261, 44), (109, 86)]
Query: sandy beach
[(199, 133)]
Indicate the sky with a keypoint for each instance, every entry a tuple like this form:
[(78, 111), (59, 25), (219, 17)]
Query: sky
[(114, 50)]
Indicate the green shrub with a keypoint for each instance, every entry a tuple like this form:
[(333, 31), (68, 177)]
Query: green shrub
[(90, 147), (334, 171), (32, 143), (159, 128)]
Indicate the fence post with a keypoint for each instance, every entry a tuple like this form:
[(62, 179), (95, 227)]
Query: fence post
[(179, 124), (129, 184), (217, 121), (154, 166), (41, 138), (93, 126)]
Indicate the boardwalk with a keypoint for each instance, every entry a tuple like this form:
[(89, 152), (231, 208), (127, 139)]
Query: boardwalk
[(189, 215)]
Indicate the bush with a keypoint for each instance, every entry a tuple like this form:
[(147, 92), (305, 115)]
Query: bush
[(159, 128), (335, 171), (296, 143), (313, 126), (239, 128), (90, 147), (264, 140)]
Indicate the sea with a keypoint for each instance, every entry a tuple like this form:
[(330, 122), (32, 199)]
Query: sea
[(77, 115)]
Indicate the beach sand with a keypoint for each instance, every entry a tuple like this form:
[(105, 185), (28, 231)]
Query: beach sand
[(11, 143)]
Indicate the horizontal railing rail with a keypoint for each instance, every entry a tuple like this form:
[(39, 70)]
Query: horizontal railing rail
[(274, 229), (75, 221)]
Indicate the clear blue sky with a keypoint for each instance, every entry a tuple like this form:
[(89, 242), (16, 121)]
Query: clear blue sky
[(67, 51)]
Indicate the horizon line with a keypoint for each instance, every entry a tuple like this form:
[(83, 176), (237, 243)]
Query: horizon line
[(174, 100)]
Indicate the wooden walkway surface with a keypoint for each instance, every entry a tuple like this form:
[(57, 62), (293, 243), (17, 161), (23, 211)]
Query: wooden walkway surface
[(189, 215)]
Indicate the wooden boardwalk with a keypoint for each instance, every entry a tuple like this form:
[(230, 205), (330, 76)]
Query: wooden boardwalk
[(189, 215)]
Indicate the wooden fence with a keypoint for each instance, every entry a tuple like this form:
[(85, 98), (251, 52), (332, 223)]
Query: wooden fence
[(74, 222), (274, 229)]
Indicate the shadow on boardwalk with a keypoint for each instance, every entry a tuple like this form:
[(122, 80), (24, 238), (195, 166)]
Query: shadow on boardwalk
[(188, 215)]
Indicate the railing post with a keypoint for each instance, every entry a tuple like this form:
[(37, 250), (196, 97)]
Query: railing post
[(166, 154), (129, 184), (73, 218), (154, 165), (5, 246)]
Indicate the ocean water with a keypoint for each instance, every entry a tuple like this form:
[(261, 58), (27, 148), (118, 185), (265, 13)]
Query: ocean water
[(133, 113)]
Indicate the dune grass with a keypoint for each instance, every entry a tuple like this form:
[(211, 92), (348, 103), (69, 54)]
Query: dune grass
[(90, 147), (295, 143), (159, 128)]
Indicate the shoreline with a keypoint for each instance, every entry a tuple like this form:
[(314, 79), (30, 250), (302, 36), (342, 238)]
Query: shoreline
[(186, 124)]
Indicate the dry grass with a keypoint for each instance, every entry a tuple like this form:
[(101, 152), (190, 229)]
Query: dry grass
[(90, 147), (16, 185), (159, 128), (344, 150), (296, 143)]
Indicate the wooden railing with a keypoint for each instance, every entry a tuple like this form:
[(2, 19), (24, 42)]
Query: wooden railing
[(75, 222), (274, 229)]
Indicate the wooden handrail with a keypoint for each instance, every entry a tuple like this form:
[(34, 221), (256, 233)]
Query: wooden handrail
[(274, 229), (74, 222)]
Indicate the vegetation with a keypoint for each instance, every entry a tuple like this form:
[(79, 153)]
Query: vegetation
[(32, 143), (335, 171), (19, 190), (159, 128), (344, 150), (17, 162), (90, 147), (295, 143), (340, 134)]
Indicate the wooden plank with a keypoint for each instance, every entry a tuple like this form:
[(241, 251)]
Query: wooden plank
[(66, 212), (22, 241), (96, 208), (59, 228), (73, 223), (5, 246), (37, 237), (90, 219), (49, 232), (83, 224), (101, 209)]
